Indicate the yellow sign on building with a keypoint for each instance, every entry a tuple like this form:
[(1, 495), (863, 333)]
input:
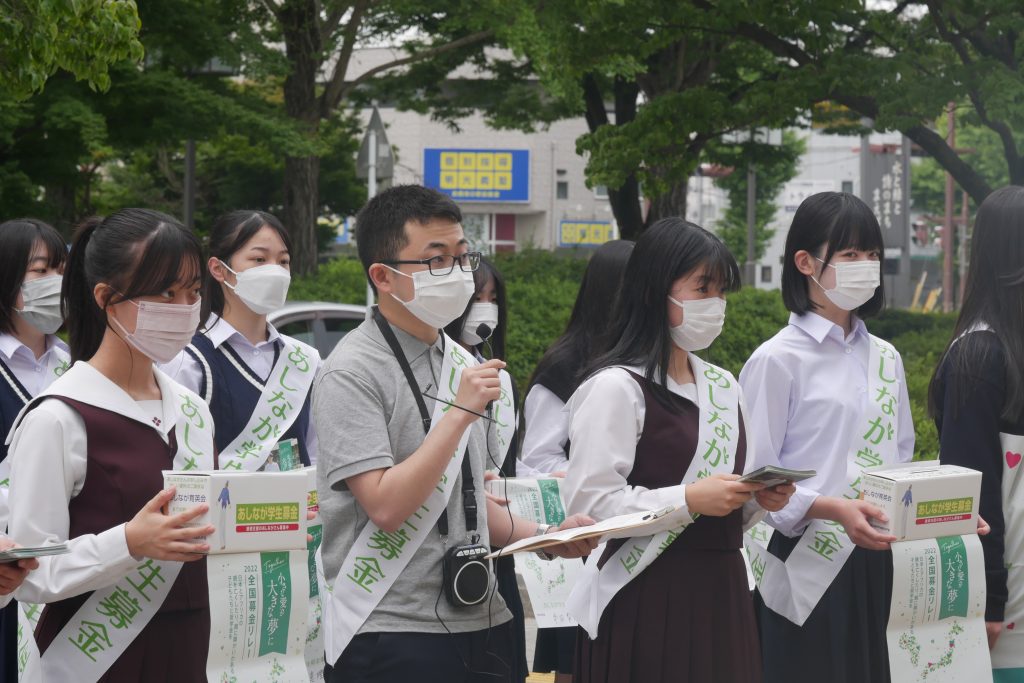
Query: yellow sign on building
[(585, 233), (476, 171)]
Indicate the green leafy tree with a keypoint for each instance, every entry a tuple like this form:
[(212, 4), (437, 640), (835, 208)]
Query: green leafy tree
[(900, 64), (84, 37), (657, 82), (775, 166)]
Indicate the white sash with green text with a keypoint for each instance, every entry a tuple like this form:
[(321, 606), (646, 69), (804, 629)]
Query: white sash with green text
[(794, 587), (718, 400), (279, 405), (378, 557), (103, 628)]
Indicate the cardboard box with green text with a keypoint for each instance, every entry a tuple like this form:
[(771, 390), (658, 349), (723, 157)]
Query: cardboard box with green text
[(250, 511), (923, 499)]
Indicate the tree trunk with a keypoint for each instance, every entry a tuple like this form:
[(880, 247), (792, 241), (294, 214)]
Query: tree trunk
[(301, 29), (625, 203), (670, 204), (301, 209), (625, 200)]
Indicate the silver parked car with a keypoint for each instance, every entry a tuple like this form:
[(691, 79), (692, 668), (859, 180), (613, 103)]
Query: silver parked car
[(318, 323)]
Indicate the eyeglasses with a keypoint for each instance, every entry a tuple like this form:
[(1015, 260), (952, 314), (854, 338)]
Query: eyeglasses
[(445, 263)]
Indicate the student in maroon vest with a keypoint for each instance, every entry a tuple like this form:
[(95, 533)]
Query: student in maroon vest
[(637, 429), (87, 454)]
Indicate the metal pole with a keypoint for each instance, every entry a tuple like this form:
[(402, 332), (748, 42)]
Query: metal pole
[(371, 186), (947, 224), (751, 267), (964, 217), (190, 184)]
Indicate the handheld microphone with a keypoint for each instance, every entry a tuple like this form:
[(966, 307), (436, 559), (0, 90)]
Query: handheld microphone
[(484, 331)]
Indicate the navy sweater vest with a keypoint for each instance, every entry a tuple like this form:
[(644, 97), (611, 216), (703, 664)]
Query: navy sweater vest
[(233, 397)]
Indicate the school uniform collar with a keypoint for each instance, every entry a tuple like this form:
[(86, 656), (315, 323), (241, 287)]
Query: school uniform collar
[(819, 328), (11, 345), (84, 383), (218, 330)]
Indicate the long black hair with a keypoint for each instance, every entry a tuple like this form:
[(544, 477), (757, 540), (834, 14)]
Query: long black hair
[(559, 368), (229, 234), (993, 296), (481, 275), (670, 249), (138, 252), (840, 220), (18, 239)]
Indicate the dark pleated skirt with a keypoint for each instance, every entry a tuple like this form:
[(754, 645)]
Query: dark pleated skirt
[(556, 650), (843, 639), (9, 642), (688, 618), (508, 588)]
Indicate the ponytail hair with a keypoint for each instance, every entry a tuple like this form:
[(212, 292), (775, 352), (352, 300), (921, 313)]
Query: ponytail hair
[(137, 252), (230, 232)]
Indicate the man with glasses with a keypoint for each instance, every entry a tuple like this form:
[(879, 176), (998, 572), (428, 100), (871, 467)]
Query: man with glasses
[(403, 416)]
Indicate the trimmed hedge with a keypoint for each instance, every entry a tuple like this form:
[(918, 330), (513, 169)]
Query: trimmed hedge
[(542, 287)]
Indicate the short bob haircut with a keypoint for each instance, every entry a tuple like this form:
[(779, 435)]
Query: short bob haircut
[(18, 239), (838, 221)]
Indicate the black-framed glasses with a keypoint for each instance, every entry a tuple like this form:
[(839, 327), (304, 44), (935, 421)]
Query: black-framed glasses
[(445, 263)]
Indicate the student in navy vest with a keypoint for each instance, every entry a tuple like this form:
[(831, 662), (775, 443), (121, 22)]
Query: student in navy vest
[(87, 457), (652, 426), (236, 359), (32, 258), (546, 423)]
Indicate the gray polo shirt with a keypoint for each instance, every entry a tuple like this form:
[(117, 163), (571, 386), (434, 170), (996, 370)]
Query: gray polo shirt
[(366, 419)]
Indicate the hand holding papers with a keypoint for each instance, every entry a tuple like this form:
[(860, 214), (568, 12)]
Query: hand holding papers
[(622, 526), (773, 476), (18, 553)]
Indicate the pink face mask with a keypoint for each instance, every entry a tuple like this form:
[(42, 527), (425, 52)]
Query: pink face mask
[(162, 330)]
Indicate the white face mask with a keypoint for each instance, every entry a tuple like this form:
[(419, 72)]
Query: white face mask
[(438, 299), (480, 314), (702, 323), (263, 289), (162, 330), (856, 282), (42, 303)]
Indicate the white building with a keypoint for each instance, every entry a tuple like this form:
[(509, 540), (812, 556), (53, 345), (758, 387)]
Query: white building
[(515, 190), (830, 163)]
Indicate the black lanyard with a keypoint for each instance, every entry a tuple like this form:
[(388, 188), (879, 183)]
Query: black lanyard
[(468, 487)]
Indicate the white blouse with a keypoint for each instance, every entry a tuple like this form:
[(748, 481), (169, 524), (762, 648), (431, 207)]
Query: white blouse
[(35, 374), (606, 421), (48, 466), (807, 389), (547, 430), (187, 371)]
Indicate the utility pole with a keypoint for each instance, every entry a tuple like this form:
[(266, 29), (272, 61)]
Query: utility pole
[(947, 222)]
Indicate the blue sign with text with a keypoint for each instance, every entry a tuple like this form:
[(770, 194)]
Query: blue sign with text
[(479, 175)]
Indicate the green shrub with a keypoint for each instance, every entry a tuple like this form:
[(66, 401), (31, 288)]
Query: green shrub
[(341, 280), (542, 287)]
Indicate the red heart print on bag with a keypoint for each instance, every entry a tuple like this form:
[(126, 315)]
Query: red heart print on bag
[(1012, 459)]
